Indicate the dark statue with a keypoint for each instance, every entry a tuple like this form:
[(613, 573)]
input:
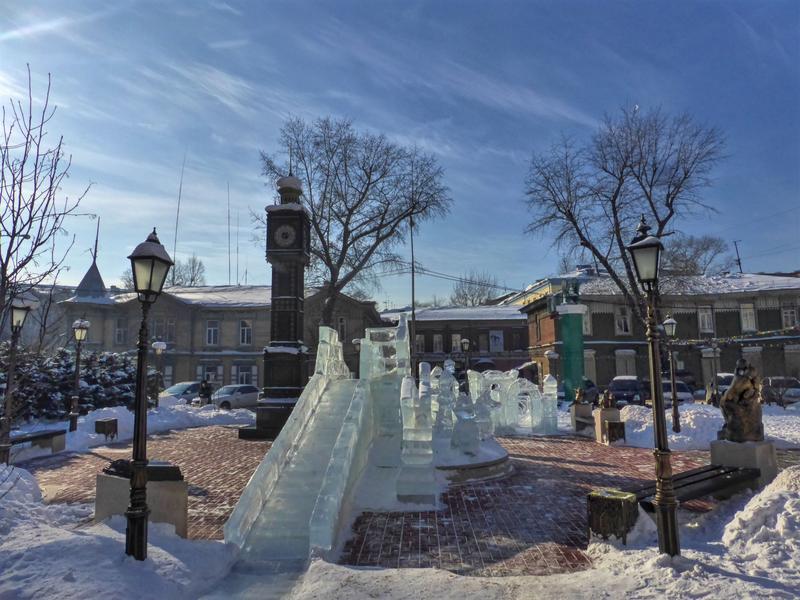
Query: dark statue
[(741, 406)]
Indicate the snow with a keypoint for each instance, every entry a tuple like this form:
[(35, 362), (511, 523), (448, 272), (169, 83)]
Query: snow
[(464, 313), (47, 551), (748, 548), (163, 418), (700, 424), (687, 285)]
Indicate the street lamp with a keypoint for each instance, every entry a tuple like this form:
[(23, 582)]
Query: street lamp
[(80, 329), (20, 308), (645, 251), (150, 264), (357, 346), (670, 325), (159, 347)]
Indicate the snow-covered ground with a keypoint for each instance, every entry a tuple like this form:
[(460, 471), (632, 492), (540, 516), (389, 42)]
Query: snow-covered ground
[(748, 548), (46, 551), (700, 424), (163, 418)]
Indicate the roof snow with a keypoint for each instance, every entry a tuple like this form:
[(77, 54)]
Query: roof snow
[(691, 285), (463, 313)]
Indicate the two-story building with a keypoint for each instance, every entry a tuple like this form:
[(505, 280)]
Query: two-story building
[(720, 318), (498, 335), (217, 332)]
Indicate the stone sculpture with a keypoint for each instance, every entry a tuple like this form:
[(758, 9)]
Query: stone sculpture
[(741, 407), (606, 401)]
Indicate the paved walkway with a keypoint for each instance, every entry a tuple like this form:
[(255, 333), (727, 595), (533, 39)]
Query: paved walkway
[(531, 523), (214, 461)]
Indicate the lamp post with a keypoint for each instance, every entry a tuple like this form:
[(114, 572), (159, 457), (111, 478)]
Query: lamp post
[(465, 348), (80, 329), (357, 346), (670, 325), (150, 264), (645, 251), (159, 347), (19, 312)]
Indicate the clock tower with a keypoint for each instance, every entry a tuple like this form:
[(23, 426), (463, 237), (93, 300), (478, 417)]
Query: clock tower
[(288, 251)]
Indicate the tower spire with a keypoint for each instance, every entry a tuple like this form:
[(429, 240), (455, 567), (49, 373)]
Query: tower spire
[(96, 239)]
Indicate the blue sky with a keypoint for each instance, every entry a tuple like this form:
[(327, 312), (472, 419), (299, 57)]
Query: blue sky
[(480, 84)]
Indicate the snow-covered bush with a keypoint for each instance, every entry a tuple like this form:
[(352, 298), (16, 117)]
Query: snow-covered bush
[(45, 383)]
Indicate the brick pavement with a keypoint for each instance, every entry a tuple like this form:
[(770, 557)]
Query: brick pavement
[(214, 461), (533, 522)]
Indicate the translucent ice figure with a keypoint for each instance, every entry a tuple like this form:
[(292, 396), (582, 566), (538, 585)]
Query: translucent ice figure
[(446, 398), (416, 482), (466, 434), (486, 405)]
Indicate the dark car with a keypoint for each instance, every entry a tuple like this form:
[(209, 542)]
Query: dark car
[(780, 390), (628, 389), (591, 392)]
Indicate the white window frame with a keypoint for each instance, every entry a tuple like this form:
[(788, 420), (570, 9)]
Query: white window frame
[(622, 320), (419, 343), (455, 342), (245, 332), (747, 316), (438, 343), (587, 322), (705, 313), (121, 333), (788, 316), (212, 332)]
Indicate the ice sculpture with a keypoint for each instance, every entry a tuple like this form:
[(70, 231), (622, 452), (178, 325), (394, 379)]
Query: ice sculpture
[(448, 388), (416, 482), (466, 434), (549, 406)]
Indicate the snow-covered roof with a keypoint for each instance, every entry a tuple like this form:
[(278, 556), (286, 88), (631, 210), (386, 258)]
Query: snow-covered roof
[(223, 295), (695, 285), (462, 313)]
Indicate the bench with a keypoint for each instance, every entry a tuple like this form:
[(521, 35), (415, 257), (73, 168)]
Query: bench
[(704, 481), (55, 439)]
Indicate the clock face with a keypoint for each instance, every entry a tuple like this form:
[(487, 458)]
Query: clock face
[(285, 236)]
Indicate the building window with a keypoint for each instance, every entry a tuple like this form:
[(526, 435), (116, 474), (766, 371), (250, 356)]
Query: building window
[(121, 331), (437, 342), (789, 316), (341, 327), (244, 374), (170, 333), (538, 329), (622, 320), (516, 340), (625, 362), (587, 323), (455, 342), (211, 372), (245, 333), (167, 375), (483, 342), (212, 333), (419, 343), (747, 313), (157, 329), (496, 341), (705, 319)]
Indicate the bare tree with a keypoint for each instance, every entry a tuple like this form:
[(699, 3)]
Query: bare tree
[(32, 210), (473, 289), (696, 255), (591, 195), (188, 273), (361, 191)]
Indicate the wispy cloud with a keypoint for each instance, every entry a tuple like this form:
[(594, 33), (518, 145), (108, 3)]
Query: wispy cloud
[(38, 26), (224, 7)]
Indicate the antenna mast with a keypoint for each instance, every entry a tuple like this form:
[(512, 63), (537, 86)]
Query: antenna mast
[(237, 247), (738, 258), (177, 217), (96, 238), (229, 233)]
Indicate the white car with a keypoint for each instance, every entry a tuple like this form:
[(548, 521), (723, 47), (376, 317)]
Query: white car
[(724, 381), (180, 393), (682, 391), (235, 396)]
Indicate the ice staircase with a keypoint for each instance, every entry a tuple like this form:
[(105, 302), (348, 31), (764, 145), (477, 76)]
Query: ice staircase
[(281, 530)]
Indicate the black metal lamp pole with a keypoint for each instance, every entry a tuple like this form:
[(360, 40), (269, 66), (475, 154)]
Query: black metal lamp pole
[(19, 312), (79, 330), (645, 251), (149, 264), (669, 328), (357, 346), (465, 348), (159, 347)]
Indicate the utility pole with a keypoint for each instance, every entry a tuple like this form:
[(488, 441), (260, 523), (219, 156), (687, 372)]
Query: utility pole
[(413, 329), (738, 258)]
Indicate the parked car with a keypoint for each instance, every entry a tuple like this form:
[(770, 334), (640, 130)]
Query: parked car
[(628, 389), (236, 396), (682, 391), (591, 392), (724, 381), (180, 393), (780, 390)]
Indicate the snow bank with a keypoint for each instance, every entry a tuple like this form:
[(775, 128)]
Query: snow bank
[(766, 533), (700, 424), (44, 552), (163, 418)]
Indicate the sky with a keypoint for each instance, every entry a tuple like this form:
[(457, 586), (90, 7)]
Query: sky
[(140, 85)]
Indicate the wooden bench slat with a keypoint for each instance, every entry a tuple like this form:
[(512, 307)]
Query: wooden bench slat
[(687, 478), (42, 435), (706, 482)]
